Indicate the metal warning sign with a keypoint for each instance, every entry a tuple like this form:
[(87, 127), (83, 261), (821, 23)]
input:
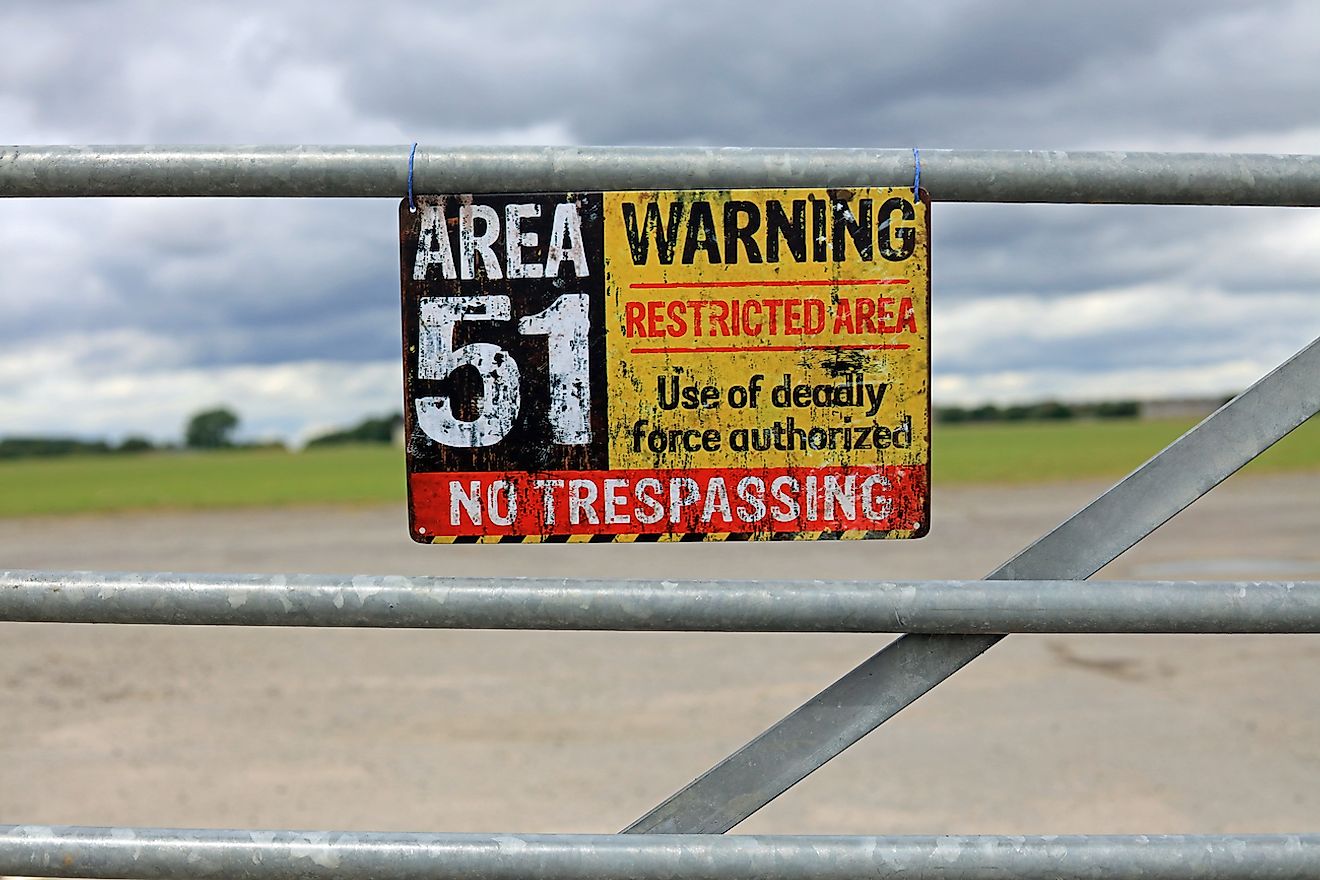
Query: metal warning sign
[(667, 365)]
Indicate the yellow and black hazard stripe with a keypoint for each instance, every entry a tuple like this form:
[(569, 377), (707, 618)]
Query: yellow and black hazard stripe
[(662, 537)]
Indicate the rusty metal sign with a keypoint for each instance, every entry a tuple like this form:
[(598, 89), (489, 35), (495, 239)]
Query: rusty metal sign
[(723, 365)]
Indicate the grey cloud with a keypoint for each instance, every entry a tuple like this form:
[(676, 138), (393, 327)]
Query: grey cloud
[(1054, 250), (953, 74), (224, 282), (993, 75)]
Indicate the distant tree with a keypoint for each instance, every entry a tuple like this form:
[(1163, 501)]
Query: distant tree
[(135, 443), (210, 429)]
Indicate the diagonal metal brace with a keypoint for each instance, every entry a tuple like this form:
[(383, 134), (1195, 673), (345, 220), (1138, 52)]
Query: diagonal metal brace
[(1077, 548)]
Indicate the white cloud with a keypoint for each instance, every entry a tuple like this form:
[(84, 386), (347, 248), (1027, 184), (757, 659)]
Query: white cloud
[(43, 392), (1146, 342), (1016, 386)]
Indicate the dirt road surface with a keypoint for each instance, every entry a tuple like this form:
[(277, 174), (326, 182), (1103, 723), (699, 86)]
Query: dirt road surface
[(483, 731)]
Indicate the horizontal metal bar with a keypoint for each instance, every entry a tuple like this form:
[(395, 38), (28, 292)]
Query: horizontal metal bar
[(694, 606), (150, 853), (382, 172)]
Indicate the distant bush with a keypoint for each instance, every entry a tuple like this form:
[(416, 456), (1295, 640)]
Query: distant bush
[(1118, 409), (135, 443), (378, 430), (31, 447), (1052, 409), (1049, 410)]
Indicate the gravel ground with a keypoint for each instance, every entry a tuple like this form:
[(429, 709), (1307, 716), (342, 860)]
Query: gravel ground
[(482, 731)]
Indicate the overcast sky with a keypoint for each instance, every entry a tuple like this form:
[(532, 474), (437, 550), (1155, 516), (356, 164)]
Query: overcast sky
[(121, 316)]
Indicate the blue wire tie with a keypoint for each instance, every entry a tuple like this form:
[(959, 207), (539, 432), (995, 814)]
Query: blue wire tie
[(412, 203), (916, 180)]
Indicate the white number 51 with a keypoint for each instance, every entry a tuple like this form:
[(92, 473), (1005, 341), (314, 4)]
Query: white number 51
[(565, 324)]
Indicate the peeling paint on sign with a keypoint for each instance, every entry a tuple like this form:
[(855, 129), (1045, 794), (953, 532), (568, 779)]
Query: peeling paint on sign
[(667, 365)]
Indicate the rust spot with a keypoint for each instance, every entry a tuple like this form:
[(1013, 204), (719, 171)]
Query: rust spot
[(843, 363)]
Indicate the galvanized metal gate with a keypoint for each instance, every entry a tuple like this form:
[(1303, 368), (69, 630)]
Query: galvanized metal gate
[(947, 624)]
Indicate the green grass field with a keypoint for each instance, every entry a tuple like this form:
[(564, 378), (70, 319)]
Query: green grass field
[(342, 475), (994, 453), (1043, 451)]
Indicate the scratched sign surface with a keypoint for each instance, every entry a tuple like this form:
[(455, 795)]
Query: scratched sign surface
[(745, 364)]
